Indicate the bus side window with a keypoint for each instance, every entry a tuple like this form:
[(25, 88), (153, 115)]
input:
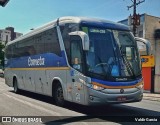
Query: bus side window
[(31, 50), (52, 43), (65, 30), (39, 42), (8, 52)]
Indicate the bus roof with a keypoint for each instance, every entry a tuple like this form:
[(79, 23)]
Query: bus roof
[(85, 21), (94, 22)]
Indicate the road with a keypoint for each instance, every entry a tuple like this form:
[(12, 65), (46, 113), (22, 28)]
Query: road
[(33, 105)]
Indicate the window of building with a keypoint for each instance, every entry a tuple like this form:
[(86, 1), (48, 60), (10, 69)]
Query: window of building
[(7, 38), (157, 34)]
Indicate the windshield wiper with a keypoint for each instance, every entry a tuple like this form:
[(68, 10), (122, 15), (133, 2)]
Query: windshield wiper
[(126, 61)]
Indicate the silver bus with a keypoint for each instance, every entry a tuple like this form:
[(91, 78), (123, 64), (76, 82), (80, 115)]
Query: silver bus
[(83, 60)]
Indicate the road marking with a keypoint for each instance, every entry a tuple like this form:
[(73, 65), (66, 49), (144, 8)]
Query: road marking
[(34, 106), (53, 113), (2, 89)]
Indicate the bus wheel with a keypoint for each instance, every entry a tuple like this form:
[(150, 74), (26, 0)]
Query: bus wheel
[(58, 95), (15, 86)]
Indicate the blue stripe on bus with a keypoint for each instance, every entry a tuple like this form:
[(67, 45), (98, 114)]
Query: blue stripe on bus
[(108, 83), (105, 24), (50, 60)]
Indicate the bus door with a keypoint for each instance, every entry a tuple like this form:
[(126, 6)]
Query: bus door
[(77, 85), (77, 79)]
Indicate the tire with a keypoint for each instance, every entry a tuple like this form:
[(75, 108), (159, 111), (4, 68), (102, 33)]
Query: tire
[(15, 86), (58, 96)]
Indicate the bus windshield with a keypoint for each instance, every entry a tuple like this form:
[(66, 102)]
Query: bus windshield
[(113, 54)]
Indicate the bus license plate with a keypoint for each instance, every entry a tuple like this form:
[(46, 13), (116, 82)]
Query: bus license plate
[(122, 98)]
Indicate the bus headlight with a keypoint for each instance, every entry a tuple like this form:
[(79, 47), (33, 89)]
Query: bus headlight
[(89, 84), (140, 86), (95, 87)]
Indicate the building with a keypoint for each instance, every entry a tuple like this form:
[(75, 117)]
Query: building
[(8, 34), (18, 34), (11, 29), (147, 29), (148, 25), (5, 35)]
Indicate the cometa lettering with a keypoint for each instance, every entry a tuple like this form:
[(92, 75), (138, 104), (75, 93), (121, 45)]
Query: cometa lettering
[(36, 62)]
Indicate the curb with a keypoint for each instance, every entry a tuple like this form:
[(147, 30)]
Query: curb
[(151, 97)]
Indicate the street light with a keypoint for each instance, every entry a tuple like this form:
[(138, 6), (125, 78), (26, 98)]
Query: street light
[(3, 2)]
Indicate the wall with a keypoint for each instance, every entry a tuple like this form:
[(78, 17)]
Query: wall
[(5, 35), (152, 23)]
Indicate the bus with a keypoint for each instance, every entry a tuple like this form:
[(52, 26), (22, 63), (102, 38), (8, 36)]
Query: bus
[(77, 59)]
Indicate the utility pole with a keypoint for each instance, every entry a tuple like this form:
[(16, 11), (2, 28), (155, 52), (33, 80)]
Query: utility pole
[(135, 17)]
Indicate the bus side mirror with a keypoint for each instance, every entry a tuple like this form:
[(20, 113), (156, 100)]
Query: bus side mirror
[(84, 37), (144, 46)]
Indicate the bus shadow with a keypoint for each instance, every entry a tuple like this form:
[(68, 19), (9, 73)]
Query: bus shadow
[(117, 113), (35, 96)]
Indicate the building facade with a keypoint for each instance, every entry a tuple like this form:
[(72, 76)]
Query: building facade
[(18, 34), (148, 25), (5, 35), (8, 34)]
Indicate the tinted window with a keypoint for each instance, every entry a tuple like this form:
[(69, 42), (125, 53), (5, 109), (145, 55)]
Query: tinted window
[(45, 42), (65, 30), (51, 42), (26, 47), (39, 41), (8, 52)]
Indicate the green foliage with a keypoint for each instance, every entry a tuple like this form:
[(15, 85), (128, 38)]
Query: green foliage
[(1, 54)]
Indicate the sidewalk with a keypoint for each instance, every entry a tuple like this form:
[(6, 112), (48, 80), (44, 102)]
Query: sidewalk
[(151, 96)]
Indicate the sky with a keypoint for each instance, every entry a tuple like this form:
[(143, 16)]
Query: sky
[(24, 15)]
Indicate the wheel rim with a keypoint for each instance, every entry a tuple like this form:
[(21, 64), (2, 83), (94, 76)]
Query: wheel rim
[(59, 96)]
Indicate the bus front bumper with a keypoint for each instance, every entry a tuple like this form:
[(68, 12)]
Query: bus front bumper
[(102, 98)]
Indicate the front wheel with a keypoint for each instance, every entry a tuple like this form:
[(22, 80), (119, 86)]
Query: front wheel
[(58, 95)]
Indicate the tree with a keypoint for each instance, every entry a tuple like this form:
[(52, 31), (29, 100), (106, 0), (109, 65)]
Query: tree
[(1, 54)]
